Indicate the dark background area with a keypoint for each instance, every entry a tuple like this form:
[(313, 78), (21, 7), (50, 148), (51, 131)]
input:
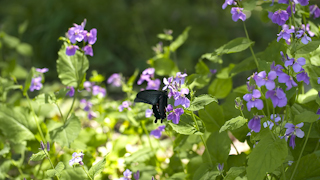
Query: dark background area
[(127, 29)]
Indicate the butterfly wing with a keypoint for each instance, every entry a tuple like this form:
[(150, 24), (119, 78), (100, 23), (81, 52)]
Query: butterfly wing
[(163, 102), (148, 96)]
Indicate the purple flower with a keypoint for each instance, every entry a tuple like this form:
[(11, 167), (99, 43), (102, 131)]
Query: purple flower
[(277, 68), (146, 75), (284, 78), (314, 11), (278, 97), (293, 131), (86, 105), (125, 104), (263, 79), (296, 64), (97, 90), (168, 83), (127, 175), (88, 50), (289, 9), (285, 33), (179, 79), (157, 132), (318, 80), (115, 79), (254, 124), (174, 116), (268, 123), (283, 1), (213, 71), (302, 2), (136, 175), (149, 112), (43, 70), (220, 167), (318, 112), (92, 115), (154, 84), (303, 35), (181, 99), (276, 118), (303, 76), (228, 2), (71, 50), (238, 14), (250, 87), (36, 84), (91, 36), (280, 17), (71, 91), (76, 158), (253, 100), (76, 33)]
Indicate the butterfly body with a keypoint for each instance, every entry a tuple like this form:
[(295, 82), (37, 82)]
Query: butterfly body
[(158, 100)]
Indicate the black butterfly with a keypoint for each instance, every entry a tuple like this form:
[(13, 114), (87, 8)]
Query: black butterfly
[(158, 100)]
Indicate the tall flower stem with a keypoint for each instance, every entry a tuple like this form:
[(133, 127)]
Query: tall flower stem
[(253, 55), (304, 145), (47, 154), (86, 172)]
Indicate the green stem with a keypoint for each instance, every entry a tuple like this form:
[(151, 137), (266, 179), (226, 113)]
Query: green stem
[(292, 15), (304, 145), (60, 112), (73, 100), (235, 147), (86, 172), (315, 149), (283, 172), (35, 118), (147, 133), (50, 161), (202, 139), (253, 55)]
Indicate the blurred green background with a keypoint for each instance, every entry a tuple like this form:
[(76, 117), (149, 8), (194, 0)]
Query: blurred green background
[(127, 29)]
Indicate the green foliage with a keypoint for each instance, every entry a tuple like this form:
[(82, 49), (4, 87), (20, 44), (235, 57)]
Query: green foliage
[(38, 156), (233, 123), (200, 101), (97, 168), (56, 171)]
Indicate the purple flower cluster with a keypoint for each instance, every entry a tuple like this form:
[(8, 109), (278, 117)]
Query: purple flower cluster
[(95, 89), (115, 80), (158, 132), (87, 106), (77, 34), (237, 12), (76, 158), (36, 81), (148, 75), (125, 104), (293, 131)]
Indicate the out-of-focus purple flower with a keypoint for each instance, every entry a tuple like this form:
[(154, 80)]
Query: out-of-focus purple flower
[(314, 11), (290, 163), (125, 104), (280, 17), (302, 2), (250, 87), (146, 75), (293, 131), (149, 71), (276, 118), (289, 9), (157, 132), (71, 50), (42, 146), (263, 79), (48, 146), (154, 84), (71, 91), (127, 174), (158, 48), (228, 2), (269, 124), (36, 83), (270, 14), (92, 115), (283, 1), (136, 175), (213, 71), (76, 33), (220, 167), (149, 112), (253, 100), (318, 112), (181, 99), (254, 124), (284, 78), (43, 70), (179, 79), (97, 90), (88, 50), (238, 14), (318, 80), (278, 97), (76, 158), (115, 79), (91, 36), (285, 33), (296, 64), (86, 105), (87, 85), (175, 114), (303, 76)]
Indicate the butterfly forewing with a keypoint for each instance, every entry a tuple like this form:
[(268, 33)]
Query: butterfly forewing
[(148, 96)]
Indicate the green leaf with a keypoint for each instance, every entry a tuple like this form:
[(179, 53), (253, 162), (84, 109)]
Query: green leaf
[(212, 57), (197, 80), (313, 73), (178, 176), (202, 68), (306, 116), (56, 171), (180, 40), (234, 172), (67, 133), (205, 172), (235, 45), (46, 98), (24, 49), (186, 125), (13, 125), (220, 88), (311, 95), (245, 65), (225, 72), (212, 116), (10, 41), (38, 156), (249, 5), (307, 48), (4, 168), (166, 37), (71, 69), (308, 167), (200, 101), (73, 173), (267, 156), (139, 156), (28, 81), (128, 87), (164, 66), (233, 123), (218, 146), (97, 168)]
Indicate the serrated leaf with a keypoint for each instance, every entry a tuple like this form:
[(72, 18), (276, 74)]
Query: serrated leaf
[(306, 116), (71, 69), (213, 117), (234, 172), (56, 171), (307, 48), (220, 88), (73, 173), (38, 156), (233, 124), (180, 40), (186, 125), (97, 168), (46, 98), (67, 133), (235, 45), (200, 101), (218, 146), (267, 156)]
